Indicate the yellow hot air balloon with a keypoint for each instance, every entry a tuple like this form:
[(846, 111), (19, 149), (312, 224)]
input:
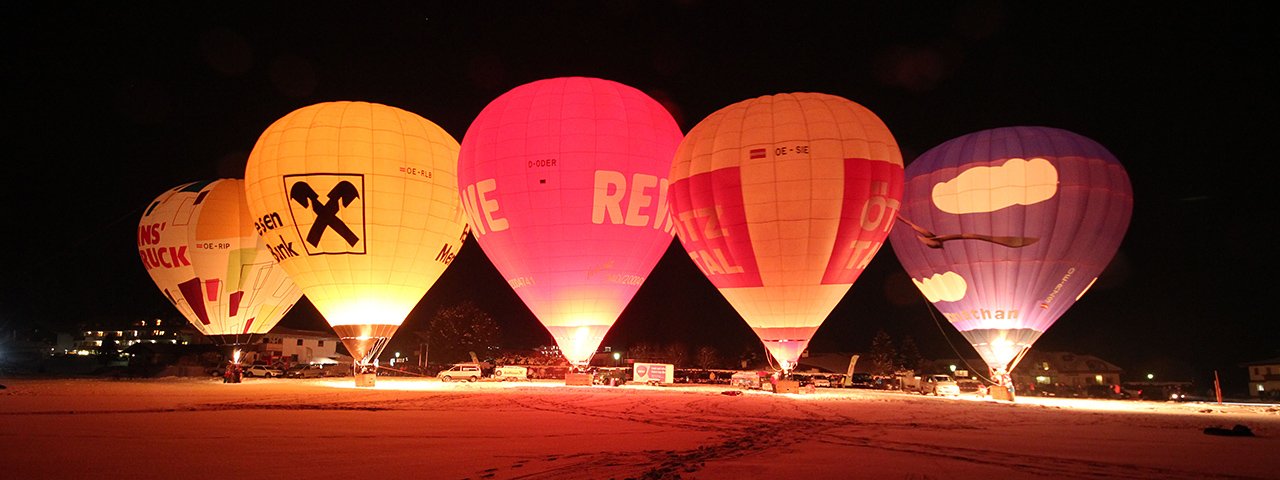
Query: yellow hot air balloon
[(359, 203), (197, 242)]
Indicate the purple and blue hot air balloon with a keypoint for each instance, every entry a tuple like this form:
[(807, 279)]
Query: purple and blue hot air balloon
[(1004, 229)]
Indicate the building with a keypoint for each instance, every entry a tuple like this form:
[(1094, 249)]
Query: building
[(108, 338), (1264, 378), (1065, 369), (287, 346), (1061, 369)]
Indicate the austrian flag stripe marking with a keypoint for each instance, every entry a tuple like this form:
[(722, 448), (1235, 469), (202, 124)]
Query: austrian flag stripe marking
[(757, 153)]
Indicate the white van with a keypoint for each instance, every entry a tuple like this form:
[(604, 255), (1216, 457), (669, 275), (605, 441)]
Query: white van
[(463, 371)]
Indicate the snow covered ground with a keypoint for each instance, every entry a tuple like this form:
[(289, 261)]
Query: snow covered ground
[(280, 428)]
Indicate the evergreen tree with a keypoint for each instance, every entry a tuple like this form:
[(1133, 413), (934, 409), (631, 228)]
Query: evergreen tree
[(884, 358), (909, 354)]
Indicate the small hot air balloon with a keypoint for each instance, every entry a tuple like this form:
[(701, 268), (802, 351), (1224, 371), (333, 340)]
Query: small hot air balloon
[(198, 244), (565, 183), (782, 201), (1003, 230), (359, 203)]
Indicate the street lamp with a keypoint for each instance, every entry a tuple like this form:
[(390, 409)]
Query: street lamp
[(1151, 376), (616, 357)]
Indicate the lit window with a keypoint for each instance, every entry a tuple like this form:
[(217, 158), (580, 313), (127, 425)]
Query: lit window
[(1043, 380), (1098, 378), (1260, 389), (1045, 365)]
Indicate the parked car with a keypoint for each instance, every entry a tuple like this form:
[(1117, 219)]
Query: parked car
[(969, 385), (463, 371), (262, 371), (305, 371), (862, 380), (939, 385)]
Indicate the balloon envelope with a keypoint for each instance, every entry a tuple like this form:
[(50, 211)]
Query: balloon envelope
[(198, 244), (781, 201), (1008, 228), (565, 183), (359, 203)]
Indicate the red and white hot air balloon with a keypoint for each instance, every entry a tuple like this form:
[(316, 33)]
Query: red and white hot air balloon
[(781, 201), (565, 184)]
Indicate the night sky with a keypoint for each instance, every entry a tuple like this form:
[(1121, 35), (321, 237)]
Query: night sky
[(110, 105)]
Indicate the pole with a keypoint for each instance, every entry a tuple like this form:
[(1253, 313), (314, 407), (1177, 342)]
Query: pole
[(1217, 387)]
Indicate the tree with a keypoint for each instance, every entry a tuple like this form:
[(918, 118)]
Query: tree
[(883, 357), (909, 354), (708, 358), (460, 329), (643, 352), (677, 354)]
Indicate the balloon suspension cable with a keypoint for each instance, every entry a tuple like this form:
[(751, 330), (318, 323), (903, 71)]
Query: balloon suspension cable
[(973, 371), (1016, 360), (768, 357)]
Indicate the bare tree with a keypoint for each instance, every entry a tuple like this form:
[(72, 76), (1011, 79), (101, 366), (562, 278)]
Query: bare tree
[(677, 354), (708, 358)]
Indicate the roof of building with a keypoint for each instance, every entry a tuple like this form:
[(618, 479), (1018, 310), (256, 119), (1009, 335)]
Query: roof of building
[(296, 333), (1269, 361)]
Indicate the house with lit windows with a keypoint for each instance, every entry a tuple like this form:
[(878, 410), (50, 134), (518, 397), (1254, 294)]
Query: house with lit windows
[(1264, 378), (1065, 369)]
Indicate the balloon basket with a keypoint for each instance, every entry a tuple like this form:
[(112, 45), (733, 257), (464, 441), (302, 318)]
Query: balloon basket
[(366, 380), (577, 379), (998, 392), (787, 386)]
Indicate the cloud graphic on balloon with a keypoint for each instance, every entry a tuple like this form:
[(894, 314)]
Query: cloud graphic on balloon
[(945, 287), (987, 189)]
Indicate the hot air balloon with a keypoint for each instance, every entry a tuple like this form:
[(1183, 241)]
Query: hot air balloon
[(198, 243), (782, 201), (565, 183), (359, 203), (1003, 230)]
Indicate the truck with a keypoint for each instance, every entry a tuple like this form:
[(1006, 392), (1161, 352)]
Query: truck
[(510, 373), (654, 373)]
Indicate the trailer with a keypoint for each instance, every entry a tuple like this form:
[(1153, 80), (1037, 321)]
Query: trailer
[(654, 373)]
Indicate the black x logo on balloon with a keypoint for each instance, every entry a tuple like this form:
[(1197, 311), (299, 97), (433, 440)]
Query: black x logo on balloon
[(340, 196)]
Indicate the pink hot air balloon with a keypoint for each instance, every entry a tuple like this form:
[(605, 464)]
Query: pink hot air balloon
[(782, 201), (1004, 229), (565, 183)]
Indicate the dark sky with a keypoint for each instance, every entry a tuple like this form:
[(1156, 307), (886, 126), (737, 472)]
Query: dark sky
[(110, 104)]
